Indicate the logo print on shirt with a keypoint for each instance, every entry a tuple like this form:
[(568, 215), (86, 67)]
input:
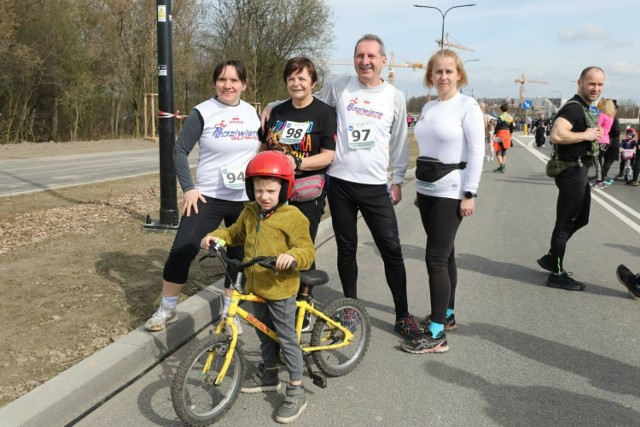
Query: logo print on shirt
[(361, 111)]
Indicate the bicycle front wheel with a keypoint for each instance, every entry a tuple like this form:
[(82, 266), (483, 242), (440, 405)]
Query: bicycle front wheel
[(340, 361), (196, 400)]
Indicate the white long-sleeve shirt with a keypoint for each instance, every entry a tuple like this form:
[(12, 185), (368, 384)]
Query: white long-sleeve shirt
[(452, 131), (372, 131)]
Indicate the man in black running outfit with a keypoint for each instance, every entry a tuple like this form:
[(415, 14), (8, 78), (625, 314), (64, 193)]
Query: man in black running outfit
[(573, 132)]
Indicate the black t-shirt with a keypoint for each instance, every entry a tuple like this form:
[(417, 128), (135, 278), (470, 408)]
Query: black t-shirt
[(614, 133), (285, 121), (574, 113)]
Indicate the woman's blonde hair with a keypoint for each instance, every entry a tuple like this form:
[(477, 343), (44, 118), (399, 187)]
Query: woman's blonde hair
[(607, 106), (445, 53)]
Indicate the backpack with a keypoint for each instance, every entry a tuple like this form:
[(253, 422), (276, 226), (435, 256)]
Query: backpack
[(590, 118)]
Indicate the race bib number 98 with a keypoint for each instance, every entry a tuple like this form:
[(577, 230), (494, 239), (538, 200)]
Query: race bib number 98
[(293, 133)]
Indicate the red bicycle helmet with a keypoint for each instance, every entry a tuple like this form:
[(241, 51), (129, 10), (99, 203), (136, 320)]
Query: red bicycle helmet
[(631, 131), (272, 164)]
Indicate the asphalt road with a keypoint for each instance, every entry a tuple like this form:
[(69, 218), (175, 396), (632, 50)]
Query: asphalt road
[(21, 176), (523, 355)]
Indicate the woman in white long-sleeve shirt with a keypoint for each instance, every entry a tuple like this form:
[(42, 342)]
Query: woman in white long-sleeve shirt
[(450, 134)]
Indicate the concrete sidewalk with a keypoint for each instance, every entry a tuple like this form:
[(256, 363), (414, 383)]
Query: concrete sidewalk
[(78, 390)]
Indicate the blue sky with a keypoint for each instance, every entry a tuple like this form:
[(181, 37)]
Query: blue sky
[(549, 41)]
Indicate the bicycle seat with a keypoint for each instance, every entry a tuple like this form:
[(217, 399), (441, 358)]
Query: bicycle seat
[(314, 277)]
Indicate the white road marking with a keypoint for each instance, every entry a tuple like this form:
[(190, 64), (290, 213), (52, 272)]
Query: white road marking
[(598, 196)]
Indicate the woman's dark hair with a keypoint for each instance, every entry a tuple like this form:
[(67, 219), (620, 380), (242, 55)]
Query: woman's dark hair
[(504, 107), (240, 70), (296, 65)]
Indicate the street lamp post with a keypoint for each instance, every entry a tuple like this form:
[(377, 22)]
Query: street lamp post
[(443, 16), (464, 62)]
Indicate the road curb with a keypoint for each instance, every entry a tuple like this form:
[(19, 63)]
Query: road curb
[(69, 396), (76, 391)]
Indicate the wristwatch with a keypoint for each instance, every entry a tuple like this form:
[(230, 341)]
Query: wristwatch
[(469, 195)]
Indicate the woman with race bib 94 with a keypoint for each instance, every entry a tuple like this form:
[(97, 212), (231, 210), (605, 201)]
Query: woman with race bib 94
[(227, 129)]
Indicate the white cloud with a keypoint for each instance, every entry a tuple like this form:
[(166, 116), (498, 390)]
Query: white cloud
[(622, 68), (588, 31)]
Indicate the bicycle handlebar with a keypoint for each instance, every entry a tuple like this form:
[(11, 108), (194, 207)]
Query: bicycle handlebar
[(218, 250)]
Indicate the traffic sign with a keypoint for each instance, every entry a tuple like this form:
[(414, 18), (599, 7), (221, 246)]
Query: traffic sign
[(527, 104)]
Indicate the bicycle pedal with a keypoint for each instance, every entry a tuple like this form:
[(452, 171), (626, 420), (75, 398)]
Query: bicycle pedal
[(320, 382)]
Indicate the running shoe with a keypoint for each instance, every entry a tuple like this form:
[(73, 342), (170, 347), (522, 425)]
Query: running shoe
[(294, 403), (600, 185), (426, 343), (629, 280), (263, 380), (350, 319), (161, 318), (449, 324), (564, 281), (634, 183), (407, 327), (306, 322), (546, 262)]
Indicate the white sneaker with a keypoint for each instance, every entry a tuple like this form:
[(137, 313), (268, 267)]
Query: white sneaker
[(161, 318), (227, 330)]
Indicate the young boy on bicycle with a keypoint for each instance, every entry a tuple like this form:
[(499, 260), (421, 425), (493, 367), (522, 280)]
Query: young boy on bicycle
[(268, 226)]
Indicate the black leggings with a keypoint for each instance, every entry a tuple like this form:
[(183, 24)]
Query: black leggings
[(313, 210), (572, 209), (441, 220), (345, 199), (192, 229)]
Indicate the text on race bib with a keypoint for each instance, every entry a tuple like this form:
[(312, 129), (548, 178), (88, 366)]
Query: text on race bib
[(233, 176), (293, 133), (360, 136)]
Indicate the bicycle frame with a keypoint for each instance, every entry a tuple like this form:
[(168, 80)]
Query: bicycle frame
[(235, 310)]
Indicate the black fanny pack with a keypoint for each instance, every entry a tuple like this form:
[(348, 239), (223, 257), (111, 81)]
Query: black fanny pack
[(429, 169)]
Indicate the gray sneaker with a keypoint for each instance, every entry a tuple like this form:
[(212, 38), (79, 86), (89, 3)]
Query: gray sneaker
[(161, 319), (263, 380), (294, 403)]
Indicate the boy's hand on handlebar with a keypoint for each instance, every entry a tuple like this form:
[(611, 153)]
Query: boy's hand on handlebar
[(207, 241), (284, 261)]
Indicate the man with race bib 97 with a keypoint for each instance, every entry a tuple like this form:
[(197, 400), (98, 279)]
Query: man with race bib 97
[(372, 133)]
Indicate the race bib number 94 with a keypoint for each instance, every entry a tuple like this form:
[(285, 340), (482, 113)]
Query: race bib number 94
[(233, 176), (360, 136)]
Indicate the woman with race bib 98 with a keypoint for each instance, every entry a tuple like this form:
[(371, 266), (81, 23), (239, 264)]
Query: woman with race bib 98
[(450, 135), (227, 129), (304, 128)]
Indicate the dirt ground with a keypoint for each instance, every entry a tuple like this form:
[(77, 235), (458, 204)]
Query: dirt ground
[(77, 270)]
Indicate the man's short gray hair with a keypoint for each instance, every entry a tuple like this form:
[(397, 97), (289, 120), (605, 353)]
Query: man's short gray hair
[(371, 37)]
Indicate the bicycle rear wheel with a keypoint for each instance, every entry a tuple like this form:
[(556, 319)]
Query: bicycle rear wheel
[(340, 361), (196, 400)]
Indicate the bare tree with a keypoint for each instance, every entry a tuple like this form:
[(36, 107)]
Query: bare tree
[(264, 35)]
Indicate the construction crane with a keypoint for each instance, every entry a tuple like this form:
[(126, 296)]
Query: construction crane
[(523, 80), (447, 44), (392, 64)]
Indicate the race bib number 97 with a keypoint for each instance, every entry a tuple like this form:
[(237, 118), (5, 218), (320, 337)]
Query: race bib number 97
[(360, 136)]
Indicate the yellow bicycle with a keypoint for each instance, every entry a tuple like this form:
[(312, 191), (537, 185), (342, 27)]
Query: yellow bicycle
[(210, 375)]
